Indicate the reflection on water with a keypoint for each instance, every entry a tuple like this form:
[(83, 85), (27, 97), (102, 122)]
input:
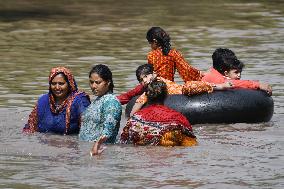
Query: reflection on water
[(38, 35)]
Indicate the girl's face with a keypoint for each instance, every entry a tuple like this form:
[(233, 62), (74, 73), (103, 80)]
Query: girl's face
[(233, 74), (154, 45), (59, 87), (99, 86), (146, 79)]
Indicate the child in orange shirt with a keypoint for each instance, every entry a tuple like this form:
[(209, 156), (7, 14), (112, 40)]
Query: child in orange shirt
[(227, 68), (166, 60)]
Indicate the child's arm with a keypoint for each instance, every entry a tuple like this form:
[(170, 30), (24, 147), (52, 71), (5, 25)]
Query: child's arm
[(137, 106), (223, 86), (185, 70), (124, 98), (248, 84), (196, 87)]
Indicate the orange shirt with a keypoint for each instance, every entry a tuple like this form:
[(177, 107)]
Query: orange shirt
[(189, 88), (213, 76), (165, 66)]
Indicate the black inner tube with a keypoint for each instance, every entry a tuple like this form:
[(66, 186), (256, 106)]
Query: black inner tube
[(230, 106)]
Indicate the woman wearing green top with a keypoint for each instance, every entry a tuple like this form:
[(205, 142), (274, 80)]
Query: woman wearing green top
[(101, 120)]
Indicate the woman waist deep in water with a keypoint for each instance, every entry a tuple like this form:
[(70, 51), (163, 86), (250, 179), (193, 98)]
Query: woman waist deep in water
[(101, 120), (59, 111)]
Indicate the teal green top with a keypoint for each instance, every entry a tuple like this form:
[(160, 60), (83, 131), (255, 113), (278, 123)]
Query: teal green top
[(102, 117)]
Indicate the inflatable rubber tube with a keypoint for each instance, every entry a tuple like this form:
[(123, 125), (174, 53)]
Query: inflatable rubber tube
[(230, 106)]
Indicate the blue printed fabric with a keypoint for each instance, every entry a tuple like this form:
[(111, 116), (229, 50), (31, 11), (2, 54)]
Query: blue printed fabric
[(102, 117), (47, 121)]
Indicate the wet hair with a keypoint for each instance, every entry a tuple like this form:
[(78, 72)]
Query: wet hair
[(226, 60), (104, 72), (144, 69), (161, 37), (156, 92)]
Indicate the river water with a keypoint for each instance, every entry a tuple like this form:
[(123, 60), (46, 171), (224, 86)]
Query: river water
[(38, 35)]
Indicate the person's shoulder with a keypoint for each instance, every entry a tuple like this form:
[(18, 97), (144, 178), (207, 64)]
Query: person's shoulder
[(213, 76), (208, 73), (174, 113), (43, 100), (43, 97), (110, 101), (111, 98), (81, 97), (174, 52), (155, 52)]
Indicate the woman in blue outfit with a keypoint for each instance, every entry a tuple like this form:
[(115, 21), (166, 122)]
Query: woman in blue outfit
[(101, 120), (59, 111)]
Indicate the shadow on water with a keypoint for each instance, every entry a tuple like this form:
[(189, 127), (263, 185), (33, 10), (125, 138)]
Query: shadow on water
[(34, 14), (17, 10)]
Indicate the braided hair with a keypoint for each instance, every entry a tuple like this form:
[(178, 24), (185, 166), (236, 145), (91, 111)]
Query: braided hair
[(161, 37)]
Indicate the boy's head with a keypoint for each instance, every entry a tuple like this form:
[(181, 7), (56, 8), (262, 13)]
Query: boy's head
[(226, 62), (145, 73)]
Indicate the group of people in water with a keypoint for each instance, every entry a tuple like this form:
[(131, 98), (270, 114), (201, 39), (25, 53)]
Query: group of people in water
[(66, 110)]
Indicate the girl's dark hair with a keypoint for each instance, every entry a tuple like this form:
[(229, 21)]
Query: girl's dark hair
[(156, 92), (104, 72), (161, 37)]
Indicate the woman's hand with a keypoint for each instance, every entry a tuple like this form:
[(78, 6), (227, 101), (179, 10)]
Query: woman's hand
[(97, 149)]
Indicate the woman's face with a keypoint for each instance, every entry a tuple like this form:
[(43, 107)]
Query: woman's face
[(59, 87), (98, 85)]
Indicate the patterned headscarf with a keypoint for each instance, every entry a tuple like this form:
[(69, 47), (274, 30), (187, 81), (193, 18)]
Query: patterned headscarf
[(67, 73), (72, 87)]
